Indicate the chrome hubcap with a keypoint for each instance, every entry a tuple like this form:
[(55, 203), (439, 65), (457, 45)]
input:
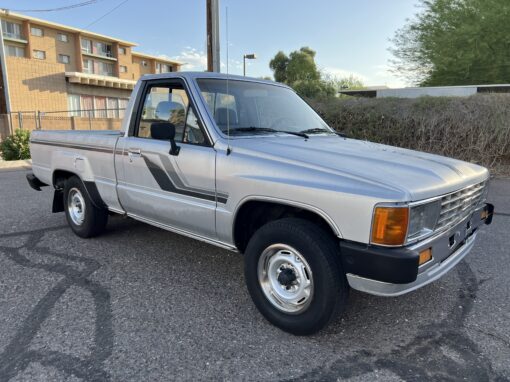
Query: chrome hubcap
[(76, 206), (285, 278)]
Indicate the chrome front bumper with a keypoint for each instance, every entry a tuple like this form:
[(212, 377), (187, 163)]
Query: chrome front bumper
[(431, 274), (392, 273)]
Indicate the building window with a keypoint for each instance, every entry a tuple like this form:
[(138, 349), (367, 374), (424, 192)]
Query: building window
[(112, 104), (87, 106), (105, 69), (62, 37), (64, 59), (73, 105), (11, 30), (144, 63), (122, 51), (103, 49), (158, 67), (96, 107), (123, 69), (86, 46), (40, 54), (34, 31), (166, 68), (14, 51), (122, 106), (88, 66), (100, 107)]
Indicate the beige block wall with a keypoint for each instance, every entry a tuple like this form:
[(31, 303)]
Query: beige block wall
[(138, 69), (36, 84), (53, 47), (127, 61)]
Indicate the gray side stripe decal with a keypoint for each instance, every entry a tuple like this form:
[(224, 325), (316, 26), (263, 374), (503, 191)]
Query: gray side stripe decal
[(166, 184), (74, 146), (168, 180), (179, 183)]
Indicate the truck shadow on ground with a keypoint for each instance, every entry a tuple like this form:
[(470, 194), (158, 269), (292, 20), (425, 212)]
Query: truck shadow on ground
[(440, 350)]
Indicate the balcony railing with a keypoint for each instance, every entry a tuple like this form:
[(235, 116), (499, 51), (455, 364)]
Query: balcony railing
[(15, 36)]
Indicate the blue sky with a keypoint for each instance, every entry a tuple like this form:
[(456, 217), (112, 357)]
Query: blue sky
[(350, 36)]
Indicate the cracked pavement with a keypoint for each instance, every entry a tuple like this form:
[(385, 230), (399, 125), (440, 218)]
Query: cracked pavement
[(139, 303)]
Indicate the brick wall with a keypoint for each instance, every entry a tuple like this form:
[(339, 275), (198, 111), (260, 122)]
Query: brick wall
[(36, 84), (53, 47)]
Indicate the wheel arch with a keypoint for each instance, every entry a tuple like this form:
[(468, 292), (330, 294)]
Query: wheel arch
[(59, 177), (253, 212)]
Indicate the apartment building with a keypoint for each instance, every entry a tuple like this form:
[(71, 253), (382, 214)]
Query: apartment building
[(51, 67)]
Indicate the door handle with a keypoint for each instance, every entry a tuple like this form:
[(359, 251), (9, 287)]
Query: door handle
[(134, 153)]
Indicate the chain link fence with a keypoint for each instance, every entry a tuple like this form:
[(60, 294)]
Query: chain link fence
[(94, 119)]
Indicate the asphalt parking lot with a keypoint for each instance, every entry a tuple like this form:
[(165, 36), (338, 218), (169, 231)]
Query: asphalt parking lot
[(143, 304)]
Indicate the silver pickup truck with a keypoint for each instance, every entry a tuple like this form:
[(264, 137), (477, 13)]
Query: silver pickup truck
[(247, 165)]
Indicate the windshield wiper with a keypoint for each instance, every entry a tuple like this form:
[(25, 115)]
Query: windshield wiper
[(253, 129), (316, 130)]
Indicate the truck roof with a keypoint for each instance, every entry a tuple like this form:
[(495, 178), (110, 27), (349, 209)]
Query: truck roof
[(196, 75)]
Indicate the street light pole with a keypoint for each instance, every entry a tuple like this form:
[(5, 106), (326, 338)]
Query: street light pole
[(250, 56)]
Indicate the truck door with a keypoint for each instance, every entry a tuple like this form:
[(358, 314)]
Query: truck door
[(177, 191)]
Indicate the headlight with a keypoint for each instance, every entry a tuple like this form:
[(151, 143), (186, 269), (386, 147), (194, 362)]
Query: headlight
[(397, 225), (389, 225), (423, 219)]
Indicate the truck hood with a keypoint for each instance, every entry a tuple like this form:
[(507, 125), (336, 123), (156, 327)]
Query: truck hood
[(416, 174)]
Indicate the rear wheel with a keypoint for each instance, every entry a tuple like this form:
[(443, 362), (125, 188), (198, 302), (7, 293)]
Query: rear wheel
[(84, 218), (294, 275)]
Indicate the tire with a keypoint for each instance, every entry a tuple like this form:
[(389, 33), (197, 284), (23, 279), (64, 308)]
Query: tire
[(300, 297), (85, 219)]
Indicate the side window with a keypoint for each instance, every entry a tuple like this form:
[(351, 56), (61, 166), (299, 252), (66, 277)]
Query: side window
[(224, 109), (193, 133), (163, 105)]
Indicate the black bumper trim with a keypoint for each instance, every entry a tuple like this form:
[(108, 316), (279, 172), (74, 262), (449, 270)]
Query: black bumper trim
[(391, 265), (34, 182)]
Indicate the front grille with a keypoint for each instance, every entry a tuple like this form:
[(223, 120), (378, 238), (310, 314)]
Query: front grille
[(458, 205)]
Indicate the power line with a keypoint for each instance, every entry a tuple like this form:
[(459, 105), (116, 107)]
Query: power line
[(82, 4), (106, 14), (94, 21)]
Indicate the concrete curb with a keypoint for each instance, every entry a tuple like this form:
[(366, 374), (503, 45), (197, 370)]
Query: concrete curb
[(15, 165)]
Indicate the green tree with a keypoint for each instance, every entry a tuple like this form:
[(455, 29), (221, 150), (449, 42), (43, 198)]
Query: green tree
[(279, 67), (299, 71), (455, 42)]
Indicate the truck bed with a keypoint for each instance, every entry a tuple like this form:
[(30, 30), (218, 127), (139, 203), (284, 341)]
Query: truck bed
[(89, 154)]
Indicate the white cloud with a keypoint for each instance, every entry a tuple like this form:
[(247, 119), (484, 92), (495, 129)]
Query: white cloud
[(193, 59)]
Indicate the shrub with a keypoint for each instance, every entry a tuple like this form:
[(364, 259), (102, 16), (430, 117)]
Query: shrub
[(474, 129), (16, 146)]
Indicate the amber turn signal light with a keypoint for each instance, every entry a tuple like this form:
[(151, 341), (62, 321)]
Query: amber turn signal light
[(425, 255), (389, 226)]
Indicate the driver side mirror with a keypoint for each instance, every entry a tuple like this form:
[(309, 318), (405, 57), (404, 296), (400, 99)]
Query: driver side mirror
[(174, 149), (165, 131)]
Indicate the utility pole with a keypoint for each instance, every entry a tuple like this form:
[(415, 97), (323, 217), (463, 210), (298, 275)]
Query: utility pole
[(213, 35)]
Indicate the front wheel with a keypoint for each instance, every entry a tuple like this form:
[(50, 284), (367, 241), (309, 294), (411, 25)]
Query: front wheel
[(85, 219), (294, 275)]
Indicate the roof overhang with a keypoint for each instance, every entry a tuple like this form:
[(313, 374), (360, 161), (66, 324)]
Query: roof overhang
[(97, 80), (157, 58), (53, 25)]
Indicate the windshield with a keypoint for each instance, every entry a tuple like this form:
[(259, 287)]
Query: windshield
[(257, 108)]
